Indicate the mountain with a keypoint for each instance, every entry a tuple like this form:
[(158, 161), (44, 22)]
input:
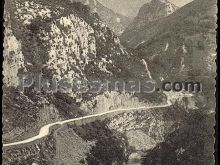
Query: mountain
[(59, 41), (63, 39), (180, 47), (152, 11), (128, 8), (117, 22), (181, 43), (148, 14)]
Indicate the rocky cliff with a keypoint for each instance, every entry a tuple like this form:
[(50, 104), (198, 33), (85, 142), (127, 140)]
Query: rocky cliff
[(59, 41), (149, 12)]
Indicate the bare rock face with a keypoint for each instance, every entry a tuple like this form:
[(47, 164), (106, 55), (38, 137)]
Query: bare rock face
[(59, 42), (13, 57), (150, 12), (68, 41), (155, 10)]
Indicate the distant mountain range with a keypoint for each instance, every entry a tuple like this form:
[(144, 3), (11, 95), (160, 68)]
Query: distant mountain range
[(128, 8)]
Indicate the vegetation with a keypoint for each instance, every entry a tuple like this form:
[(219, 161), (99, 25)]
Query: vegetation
[(66, 106), (110, 147), (18, 110), (190, 144), (42, 153)]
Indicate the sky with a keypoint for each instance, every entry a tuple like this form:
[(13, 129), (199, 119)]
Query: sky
[(130, 8), (180, 3)]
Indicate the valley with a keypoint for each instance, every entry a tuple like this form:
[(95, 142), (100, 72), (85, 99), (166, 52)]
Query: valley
[(83, 40)]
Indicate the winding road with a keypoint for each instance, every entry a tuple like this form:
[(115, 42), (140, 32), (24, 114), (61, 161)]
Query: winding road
[(45, 130)]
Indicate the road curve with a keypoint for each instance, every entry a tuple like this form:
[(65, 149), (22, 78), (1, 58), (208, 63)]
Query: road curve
[(45, 130)]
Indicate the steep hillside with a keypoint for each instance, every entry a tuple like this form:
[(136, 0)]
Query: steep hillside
[(181, 44), (58, 41), (190, 144), (181, 47)]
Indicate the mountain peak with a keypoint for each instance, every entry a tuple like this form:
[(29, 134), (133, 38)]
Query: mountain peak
[(157, 9), (150, 12)]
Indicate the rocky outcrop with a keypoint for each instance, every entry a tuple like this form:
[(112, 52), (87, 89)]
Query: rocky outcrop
[(68, 42), (13, 57), (149, 13), (152, 11)]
